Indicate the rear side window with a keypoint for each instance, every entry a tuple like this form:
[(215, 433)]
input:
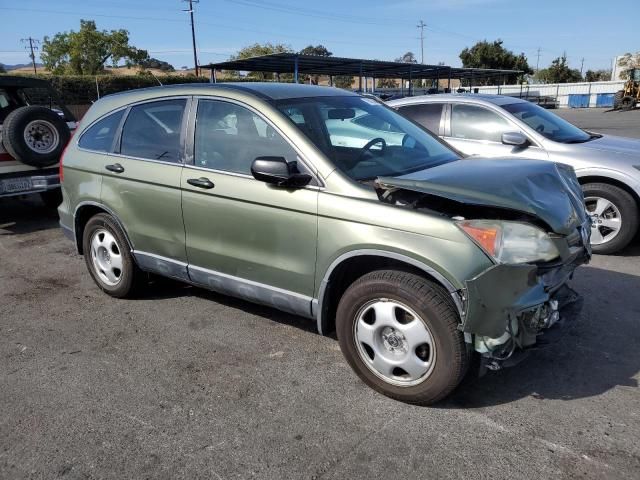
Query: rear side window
[(152, 131), (100, 135), (427, 114)]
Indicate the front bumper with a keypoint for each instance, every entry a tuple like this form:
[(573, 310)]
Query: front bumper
[(511, 309)]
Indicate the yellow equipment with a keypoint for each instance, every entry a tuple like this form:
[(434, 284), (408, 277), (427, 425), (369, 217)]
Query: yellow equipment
[(627, 98)]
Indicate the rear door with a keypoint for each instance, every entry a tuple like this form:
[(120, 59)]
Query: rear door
[(141, 182), (429, 115), (477, 130), (245, 237)]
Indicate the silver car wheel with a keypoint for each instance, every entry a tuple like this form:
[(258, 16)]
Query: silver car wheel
[(606, 219), (106, 257), (41, 136), (394, 342)]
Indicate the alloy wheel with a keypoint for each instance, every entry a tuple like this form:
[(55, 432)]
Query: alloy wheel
[(606, 220), (106, 257)]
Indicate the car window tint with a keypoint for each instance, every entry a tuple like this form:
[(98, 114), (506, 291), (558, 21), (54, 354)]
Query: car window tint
[(426, 114), (100, 135), (477, 123), (152, 130), (229, 137)]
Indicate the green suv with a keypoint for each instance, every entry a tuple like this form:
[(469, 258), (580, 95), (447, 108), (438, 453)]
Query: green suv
[(418, 259)]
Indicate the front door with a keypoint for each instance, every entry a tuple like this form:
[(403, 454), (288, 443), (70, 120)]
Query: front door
[(245, 237), (477, 130), (141, 184)]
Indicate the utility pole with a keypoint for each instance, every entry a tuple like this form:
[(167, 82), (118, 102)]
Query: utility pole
[(193, 34), (31, 47), (421, 26), (538, 59), (581, 66)]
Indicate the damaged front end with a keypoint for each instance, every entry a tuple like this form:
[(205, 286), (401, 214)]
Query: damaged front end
[(521, 301)]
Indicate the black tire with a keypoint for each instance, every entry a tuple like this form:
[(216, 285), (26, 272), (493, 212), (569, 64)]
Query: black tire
[(436, 309), (13, 135), (131, 277), (617, 99), (628, 209), (627, 103), (52, 198)]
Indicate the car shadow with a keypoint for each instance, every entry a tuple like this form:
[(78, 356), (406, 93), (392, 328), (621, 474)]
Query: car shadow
[(598, 353), (20, 215)]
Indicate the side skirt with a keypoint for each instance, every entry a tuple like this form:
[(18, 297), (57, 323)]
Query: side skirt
[(256, 292)]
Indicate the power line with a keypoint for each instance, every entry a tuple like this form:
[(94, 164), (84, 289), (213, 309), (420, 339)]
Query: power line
[(31, 47), (193, 33), (421, 26)]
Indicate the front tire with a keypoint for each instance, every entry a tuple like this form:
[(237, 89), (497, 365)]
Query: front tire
[(108, 258), (399, 333), (614, 215)]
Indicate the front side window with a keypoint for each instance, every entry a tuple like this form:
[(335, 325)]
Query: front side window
[(471, 122), (100, 135), (383, 144), (546, 123), (426, 114), (152, 130), (230, 137)]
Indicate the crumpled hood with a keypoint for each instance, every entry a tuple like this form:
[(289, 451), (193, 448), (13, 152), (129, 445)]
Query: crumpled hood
[(613, 144), (545, 189)]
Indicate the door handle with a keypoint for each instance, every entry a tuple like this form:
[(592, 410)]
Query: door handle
[(116, 168), (201, 182)]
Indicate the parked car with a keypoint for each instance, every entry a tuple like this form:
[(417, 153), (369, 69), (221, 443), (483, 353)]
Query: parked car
[(35, 126), (608, 167), (419, 259)]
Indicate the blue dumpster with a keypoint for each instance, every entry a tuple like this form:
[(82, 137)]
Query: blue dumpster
[(579, 100), (604, 100)]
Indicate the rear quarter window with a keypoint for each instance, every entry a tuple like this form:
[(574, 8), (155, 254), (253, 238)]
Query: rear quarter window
[(427, 114), (100, 135)]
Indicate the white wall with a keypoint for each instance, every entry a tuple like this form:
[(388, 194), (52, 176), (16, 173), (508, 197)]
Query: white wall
[(559, 90)]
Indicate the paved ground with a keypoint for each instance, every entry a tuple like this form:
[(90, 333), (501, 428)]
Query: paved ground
[(626, 124), (184, 383)]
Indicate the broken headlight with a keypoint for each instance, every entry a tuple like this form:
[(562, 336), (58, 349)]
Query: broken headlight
[(511, 242)]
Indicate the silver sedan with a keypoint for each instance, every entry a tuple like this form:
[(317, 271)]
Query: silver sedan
[(608, 167)]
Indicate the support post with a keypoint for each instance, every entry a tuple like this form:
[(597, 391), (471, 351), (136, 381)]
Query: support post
[(331, 80), (360, 79), (295, 69), (213, 78), (373, 84), (410, 81), (449, 81), (278, 77)]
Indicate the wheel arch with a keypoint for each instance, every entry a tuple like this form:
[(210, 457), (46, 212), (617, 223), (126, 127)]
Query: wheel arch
[(84, 212), (611, 181), (350, 266)]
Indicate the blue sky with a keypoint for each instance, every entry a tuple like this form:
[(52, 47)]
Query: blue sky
[(595, 31)]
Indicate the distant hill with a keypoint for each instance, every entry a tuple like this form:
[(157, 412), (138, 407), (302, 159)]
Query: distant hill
[(8, 68)]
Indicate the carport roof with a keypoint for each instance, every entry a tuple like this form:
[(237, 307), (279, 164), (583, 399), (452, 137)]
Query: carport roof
[(319, 65)]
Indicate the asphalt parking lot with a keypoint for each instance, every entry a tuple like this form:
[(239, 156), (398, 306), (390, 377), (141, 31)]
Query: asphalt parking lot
[(184, 383)]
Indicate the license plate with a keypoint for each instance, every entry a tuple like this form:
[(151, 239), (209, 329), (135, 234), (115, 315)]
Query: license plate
[(13, 185)]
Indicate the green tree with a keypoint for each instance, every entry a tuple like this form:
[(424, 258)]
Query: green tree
[(628, 62), (408, 57), (487, 54), (2, 69), (559, 72), (258, 50), (157, 64), (386, 83), (343, 81), (597, 75), (85, 52), (318, 50)]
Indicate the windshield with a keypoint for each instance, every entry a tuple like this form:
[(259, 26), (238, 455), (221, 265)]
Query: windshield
[(547, 124), (365, 139)]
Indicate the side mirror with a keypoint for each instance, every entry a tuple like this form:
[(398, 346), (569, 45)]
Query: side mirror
[(277, 171), (516, 139)]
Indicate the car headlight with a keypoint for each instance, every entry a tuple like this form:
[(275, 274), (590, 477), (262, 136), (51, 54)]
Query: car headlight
[(511, 242)]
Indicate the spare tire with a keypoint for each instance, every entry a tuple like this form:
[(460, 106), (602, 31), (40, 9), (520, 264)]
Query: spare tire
[(35, 136)]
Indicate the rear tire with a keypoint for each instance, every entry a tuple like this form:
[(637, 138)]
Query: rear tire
[(617, 99), (623, 206), (413, 304), (108, 257)]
